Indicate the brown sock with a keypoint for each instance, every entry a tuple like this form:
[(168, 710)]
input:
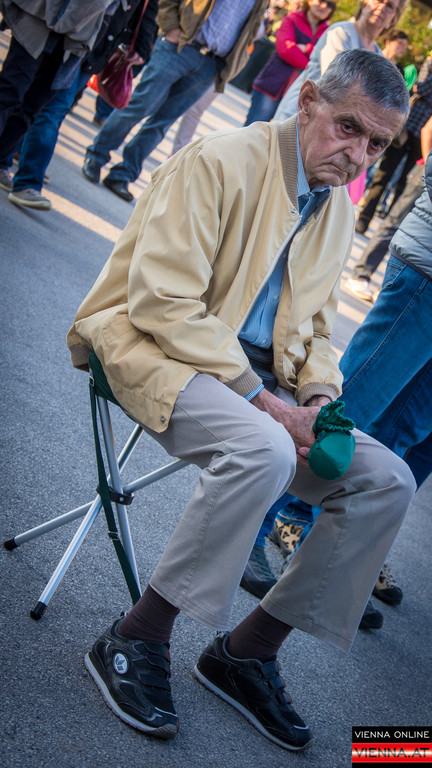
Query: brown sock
[(152, 618), (258, 636)]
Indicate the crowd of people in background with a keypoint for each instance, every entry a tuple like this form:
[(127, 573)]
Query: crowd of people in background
[(185, 61)]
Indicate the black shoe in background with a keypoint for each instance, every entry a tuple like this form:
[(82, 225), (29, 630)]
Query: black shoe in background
[(119, 188), (372, 617), (91, 170)]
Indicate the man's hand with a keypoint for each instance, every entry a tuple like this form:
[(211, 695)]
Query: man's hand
[(297, 421), (173, 36)]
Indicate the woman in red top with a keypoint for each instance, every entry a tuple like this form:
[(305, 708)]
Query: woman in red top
[(295, 40)]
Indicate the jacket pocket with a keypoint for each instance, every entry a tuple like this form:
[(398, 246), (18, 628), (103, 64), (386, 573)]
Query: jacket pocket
[(394, 269)]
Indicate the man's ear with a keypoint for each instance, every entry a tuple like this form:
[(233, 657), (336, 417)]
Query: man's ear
[(308, 97)]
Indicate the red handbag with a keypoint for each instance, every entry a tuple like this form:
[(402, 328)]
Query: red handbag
[(115, 80)]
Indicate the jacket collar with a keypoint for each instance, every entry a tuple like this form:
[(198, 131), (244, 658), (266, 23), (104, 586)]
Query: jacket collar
[(287, 133)]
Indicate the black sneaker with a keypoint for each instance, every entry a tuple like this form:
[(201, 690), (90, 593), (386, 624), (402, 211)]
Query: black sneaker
[(133, 677), (258, 577), (386, 588), (372, 617), (256, 689)]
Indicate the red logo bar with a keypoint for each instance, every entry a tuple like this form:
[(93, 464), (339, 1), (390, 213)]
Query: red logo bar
[(402, 753)]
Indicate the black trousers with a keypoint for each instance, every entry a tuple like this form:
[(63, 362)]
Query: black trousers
[(25, 87), (378, 245), (390, 161)]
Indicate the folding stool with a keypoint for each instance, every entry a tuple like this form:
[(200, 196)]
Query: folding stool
[(110, 491)]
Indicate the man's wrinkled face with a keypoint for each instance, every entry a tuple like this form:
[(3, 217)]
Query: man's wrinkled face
[(341, 140)]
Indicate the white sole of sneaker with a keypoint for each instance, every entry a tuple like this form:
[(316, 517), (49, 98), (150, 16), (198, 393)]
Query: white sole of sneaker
[(167, 731), (46, 206), (248, 715)]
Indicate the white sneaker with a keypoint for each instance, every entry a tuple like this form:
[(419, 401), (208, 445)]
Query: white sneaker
[(359, 287), (30, 198), (6, 181)]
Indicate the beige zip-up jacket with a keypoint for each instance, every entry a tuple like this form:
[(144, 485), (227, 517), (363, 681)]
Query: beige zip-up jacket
[(190, 15), (201, 243)]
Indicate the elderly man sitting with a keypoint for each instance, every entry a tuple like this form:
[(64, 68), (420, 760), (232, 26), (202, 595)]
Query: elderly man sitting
[(226, 278)]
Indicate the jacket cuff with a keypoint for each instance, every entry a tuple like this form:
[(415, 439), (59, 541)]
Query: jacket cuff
[(246, 383), (317, 388), (79, 356)]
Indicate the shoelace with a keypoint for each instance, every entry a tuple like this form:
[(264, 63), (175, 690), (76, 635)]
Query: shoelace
[(388, 576)]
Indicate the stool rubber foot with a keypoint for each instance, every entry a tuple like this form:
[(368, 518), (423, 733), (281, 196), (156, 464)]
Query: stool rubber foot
[(10, 544), (38, 611)]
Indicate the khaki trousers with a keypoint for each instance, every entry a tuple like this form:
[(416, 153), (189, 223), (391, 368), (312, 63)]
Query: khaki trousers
[(248, 460)]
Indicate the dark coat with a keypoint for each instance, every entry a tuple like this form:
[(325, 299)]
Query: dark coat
[(119, 28)]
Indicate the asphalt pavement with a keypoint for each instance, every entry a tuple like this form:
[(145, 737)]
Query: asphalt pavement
[(52, 715)]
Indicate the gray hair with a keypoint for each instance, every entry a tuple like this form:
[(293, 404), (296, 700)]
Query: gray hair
[(379, 79)]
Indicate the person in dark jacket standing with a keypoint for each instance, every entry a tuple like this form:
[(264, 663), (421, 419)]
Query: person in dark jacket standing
[(49, 40), (295, 40), (39, 143)]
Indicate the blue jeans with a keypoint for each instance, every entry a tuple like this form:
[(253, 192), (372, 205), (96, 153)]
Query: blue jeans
[(419, 460), (171, 82), (39, 142), (25, 88), (262, 107), (103, 110), (387, 366)]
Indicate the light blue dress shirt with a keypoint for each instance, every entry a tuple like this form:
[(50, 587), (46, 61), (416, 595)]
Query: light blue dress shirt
[(220, 31)]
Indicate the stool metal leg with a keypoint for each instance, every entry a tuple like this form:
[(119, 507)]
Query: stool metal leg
[(116, 484), (38, 611), (90, 510)]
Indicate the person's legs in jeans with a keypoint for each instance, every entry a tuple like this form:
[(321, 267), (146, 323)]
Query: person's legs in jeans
[(16, 76), (262, 107), (182, 95), (419, 460), (34, 99), (165, 68), (102, 110), (376, 365), (39, 142)]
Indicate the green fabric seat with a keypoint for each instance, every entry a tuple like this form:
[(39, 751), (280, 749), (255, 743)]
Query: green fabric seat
[(101, 386)]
